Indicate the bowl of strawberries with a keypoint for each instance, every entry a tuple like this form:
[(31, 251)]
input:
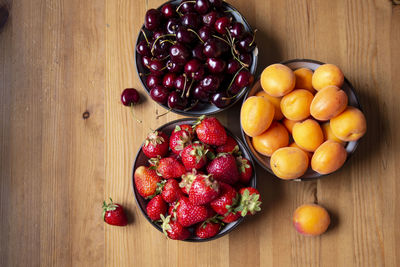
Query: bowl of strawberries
[(194, 180)]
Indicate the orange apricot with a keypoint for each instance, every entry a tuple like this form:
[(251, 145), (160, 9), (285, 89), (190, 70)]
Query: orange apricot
[(325, 75), (296, 105), (256, 115), (328, 134), (309, 154), (328, 103), (328, 157), (289, 124), (311, 219), (350, 125), (276, 136), (289, 162), (277, 80), (308, 135), (276, 101), (304, 79)]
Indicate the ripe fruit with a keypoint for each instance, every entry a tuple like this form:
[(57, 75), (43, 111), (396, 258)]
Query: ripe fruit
[(188, 214), (173, 229), (276, 101), (204, 189), (231, 146), (350, 125), (309, 154), (222, 25), (156, 145), (308, 135), (171, 191), (186, 127), (311, 219), (208, 229), (328, 157), (187, 180), (304, 79), (224, 169), (156, 207), (325, 75), (289, 124), (276, 136), (256, 115), (130, 97), (289, 162), (249, 201), (296, 105), (113, 214), (179, 140), (245, 170), (210, 131), (328, 134), (152, 19), (328, 103), (169, 167), (277, 80), (146, 181), (194, 156)]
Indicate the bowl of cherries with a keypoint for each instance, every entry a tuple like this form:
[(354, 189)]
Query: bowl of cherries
[(194, 180), (196, 57)]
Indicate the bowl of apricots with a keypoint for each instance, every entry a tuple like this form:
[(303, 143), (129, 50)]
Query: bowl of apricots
[(302, 119)]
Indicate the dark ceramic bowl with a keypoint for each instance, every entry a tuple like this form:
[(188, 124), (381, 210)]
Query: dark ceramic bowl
[(141, 160), (201, 108), (294, 64)]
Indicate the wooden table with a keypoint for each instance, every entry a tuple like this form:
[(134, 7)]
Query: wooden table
[(66, 142)]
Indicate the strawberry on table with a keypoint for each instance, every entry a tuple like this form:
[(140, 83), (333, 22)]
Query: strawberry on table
[(156, 207), (113, 214), (171, 191), (224, 168), (210, 131), (146, 181), (227, 201), (156, 144), (173, 229), (179, 140), (204, 189), (187, 180), (207, 229), (189, 214), (231, 146), (194, 156), (168, 168), (249, 201), (245, 170)]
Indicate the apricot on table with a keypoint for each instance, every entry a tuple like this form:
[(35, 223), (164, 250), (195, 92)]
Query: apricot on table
[(304, 79), (277, 80), (256, 115), (289, 162), (311, 219), (309, 154), (350, 125), (296, 105), (328, 103), (276, 136), (289, 124), (308, 135), (328, 134), (325, 75), (328, 157), (276, 101)]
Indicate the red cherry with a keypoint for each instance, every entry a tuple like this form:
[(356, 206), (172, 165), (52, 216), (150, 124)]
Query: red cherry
[(130, 96), (222, 24)]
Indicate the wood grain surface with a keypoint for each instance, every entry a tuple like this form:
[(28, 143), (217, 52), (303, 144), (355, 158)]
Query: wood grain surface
[(66, 142)]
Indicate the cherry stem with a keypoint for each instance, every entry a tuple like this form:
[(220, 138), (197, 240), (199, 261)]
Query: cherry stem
[(177, 9), (201, 40), (233, 79), (192, 106), (158, 38), (145, 37), (184, 85), (165, 113), (164, 58), (254, 37), (169, 41), (222, 39), (188, 90), (139, 121), (144, 74)]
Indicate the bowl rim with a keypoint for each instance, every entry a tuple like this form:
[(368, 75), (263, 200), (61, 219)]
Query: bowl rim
[(301, 178), (252, 69), (253, 181)]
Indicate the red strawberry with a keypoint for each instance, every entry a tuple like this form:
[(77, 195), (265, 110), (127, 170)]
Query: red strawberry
[(179, 140), (113, 214), (224, 169), (204, 189), (245, 169), (189, 214), (173, 229), (156, 207), (194, 156), (227, 200), (171, 191), (231, 217), (168, 168), (249, 201), (208, 229), (156, 144), (210, 131), (187, 180), (231, 146), (146, 181), (186, 127)]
